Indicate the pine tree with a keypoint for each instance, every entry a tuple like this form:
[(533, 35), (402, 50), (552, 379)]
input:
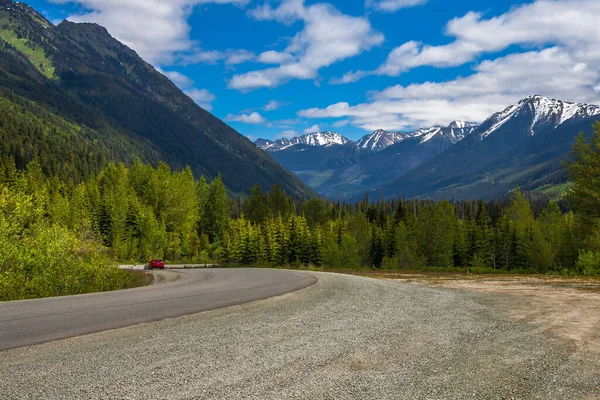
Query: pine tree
[(255, 208), (584, 171), (216, 212)]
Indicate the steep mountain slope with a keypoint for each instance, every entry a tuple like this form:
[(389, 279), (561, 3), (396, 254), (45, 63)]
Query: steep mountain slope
[(84, 75), (522, 145)]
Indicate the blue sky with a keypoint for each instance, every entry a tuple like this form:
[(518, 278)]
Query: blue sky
[(287, 67)]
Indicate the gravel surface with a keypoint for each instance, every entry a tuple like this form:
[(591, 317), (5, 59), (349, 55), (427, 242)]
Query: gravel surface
[(344, 338)]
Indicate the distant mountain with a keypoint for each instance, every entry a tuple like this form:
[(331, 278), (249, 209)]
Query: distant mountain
[(316, 139), (381, 166), (116, 105), (381, 139), (520, 146), (339, 168)]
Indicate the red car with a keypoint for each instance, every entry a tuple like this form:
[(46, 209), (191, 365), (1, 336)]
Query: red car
[(156, 264)]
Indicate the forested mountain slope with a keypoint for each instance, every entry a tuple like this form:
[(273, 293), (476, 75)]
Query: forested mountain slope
[(117, 105)]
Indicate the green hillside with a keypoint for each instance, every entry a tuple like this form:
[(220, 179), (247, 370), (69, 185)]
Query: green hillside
[(104, 103)]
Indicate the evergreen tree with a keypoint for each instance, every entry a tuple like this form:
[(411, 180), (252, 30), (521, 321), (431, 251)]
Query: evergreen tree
[(216, 211), (255, 208)]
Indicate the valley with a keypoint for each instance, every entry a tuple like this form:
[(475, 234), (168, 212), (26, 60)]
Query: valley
[(523, 145)]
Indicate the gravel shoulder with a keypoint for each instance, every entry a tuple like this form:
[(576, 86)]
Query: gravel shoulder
[(344, 337)]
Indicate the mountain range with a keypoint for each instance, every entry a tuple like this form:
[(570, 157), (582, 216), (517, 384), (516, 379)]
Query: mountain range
[(78, 98), (524, 145)]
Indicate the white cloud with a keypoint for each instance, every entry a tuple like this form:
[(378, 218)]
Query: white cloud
[(253, 118), (273, 105), (287, 134), (341, 123), (274, 57), (495, 84), (571, 25), (229, 56), (234, 57), (328, 37), (156, 29), (202, 97), (178, 78), (393, 5), (312, 129), (560, 58)]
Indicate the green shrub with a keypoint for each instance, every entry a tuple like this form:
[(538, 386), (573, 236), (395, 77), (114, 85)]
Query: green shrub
[(589, 262)]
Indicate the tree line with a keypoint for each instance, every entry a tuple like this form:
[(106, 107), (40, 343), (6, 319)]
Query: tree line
[(58, 236)]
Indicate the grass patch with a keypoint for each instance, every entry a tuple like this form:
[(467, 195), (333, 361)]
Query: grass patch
[(36, 55), (139, 279)]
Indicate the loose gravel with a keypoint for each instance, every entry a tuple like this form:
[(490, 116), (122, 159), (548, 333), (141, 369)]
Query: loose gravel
[(346, 337)]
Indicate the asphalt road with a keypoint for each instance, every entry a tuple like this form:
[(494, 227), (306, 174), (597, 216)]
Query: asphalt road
[(29, 322)]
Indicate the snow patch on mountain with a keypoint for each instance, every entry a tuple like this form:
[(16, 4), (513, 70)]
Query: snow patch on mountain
[(380, 140), (538, 110), (375, 142), (323, 139)]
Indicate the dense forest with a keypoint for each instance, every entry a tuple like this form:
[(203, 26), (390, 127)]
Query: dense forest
[(62, 237)]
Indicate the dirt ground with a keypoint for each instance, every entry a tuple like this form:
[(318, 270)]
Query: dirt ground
[(568, 307)]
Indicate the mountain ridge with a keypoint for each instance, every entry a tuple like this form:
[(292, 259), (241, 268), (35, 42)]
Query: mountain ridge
[(83, 74), (523, 145), (377, 141)]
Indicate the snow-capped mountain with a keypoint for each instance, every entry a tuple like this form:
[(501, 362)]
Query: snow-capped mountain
[(374, 142), (538, 112), (381, 139), (316, 139), (523, 145)]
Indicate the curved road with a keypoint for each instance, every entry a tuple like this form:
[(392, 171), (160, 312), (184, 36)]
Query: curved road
[(345, 337), (29, 322)]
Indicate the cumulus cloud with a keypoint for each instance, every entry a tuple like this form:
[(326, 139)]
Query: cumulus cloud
[(393, 5), (568, 24), (274, 57), (156, 29), (341, 123), (328, 37), (559, 58), (312, 129), (495, 84), (179, 79), (202, 97), (273, 105), (253, 118), (287, 134)]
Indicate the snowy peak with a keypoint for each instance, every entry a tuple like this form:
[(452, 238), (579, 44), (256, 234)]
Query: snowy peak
[(326, 138), (454, 133), (316, 139), (536, 112), (380, 140), (462, 125), (376, 141)]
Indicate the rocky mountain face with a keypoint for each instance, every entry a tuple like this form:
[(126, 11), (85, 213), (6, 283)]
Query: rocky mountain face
[(80, 73)]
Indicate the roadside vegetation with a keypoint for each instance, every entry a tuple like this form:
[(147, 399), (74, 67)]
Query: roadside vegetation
[(60, 238)]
